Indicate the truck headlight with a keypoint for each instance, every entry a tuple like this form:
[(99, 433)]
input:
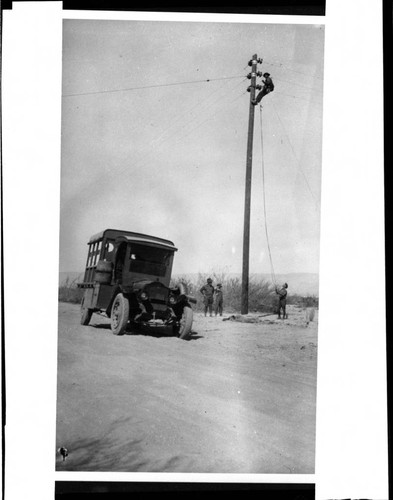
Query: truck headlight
[(172, 300), (144, 296)]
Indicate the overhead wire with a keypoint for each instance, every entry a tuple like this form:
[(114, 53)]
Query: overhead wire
[(239, 96), (214, 111), (183, 126), (179, 116), (183, 132), (294, 96), (149, 148), (108, 91), (295, 156), (293, 70), (206, 120), (298, 84), (161, 139), (201, 105), (180, 135)]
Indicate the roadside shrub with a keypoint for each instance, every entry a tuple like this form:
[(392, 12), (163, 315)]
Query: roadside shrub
[(186, 281), (261, 297), (303, 301), (69, 292)]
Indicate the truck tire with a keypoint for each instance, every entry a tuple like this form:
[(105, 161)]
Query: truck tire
[(86, 315), (119, 314), (186, 323)]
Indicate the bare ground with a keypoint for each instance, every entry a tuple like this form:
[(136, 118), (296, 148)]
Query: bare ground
[(238, 397)]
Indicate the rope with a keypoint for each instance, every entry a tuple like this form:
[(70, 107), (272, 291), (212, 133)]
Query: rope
[(264, 202)]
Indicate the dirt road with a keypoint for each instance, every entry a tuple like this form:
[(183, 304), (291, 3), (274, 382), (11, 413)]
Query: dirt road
[(238, 397)]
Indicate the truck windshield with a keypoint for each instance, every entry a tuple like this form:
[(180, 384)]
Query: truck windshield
[(148, 260)]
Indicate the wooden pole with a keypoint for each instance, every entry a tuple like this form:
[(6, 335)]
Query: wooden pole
[(247, 204)]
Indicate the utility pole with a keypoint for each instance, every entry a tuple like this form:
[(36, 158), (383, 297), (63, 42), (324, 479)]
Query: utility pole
[(247, 205)]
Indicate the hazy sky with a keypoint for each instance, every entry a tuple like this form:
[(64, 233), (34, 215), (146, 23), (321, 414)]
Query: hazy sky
[(169, 160)]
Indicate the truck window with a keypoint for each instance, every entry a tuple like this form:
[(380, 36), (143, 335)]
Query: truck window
[(97, 252), (148, 260), (108, 251), (120, 257), (92, 259)]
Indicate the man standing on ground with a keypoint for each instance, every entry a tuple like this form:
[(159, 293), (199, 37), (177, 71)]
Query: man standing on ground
[(207, 292), (282, 301), (218, 300)]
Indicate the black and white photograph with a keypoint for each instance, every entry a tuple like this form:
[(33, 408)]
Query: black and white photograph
[(189, 229), (193, 226)]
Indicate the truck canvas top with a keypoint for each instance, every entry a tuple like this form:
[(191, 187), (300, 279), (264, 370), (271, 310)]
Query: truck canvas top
[(117, 234)]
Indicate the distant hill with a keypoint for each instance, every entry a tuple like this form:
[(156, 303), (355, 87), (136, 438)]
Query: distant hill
[(298, 283)]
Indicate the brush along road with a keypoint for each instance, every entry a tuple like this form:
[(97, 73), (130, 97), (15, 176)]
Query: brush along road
[(238, 397)]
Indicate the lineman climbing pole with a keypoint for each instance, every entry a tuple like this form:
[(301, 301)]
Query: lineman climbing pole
[(247, 206)]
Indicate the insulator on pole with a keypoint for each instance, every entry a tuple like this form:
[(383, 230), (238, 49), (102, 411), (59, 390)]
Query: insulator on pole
[(249, 89), (259, 73), (258, 87), (259, 60), (249, 76)]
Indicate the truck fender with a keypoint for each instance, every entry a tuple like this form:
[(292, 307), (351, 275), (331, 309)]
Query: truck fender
[(116, 290), (191, 299), (183, 293)]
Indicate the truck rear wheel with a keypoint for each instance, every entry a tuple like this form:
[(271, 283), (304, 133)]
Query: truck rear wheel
[(119, 314), (186, 323)]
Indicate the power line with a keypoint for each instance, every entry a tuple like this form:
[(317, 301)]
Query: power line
[(203, 106), (293, 70), (207, 119), (178, 116), (179, 135), (299, 85), (153, 86), (213, 113), (294, 154), (294, 96), (146, 158), (239, 96)]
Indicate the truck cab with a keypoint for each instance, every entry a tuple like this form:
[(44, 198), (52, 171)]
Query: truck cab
[(127, 277)]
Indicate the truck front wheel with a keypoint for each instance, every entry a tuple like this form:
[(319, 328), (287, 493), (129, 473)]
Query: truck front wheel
[(186, 323), (119, 314)]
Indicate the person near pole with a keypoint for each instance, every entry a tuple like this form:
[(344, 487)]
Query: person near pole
[(282, 300), (218, 300), (207, 291), (268, 87)]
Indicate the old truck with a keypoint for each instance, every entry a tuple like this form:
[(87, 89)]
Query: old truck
[(127, 278)]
